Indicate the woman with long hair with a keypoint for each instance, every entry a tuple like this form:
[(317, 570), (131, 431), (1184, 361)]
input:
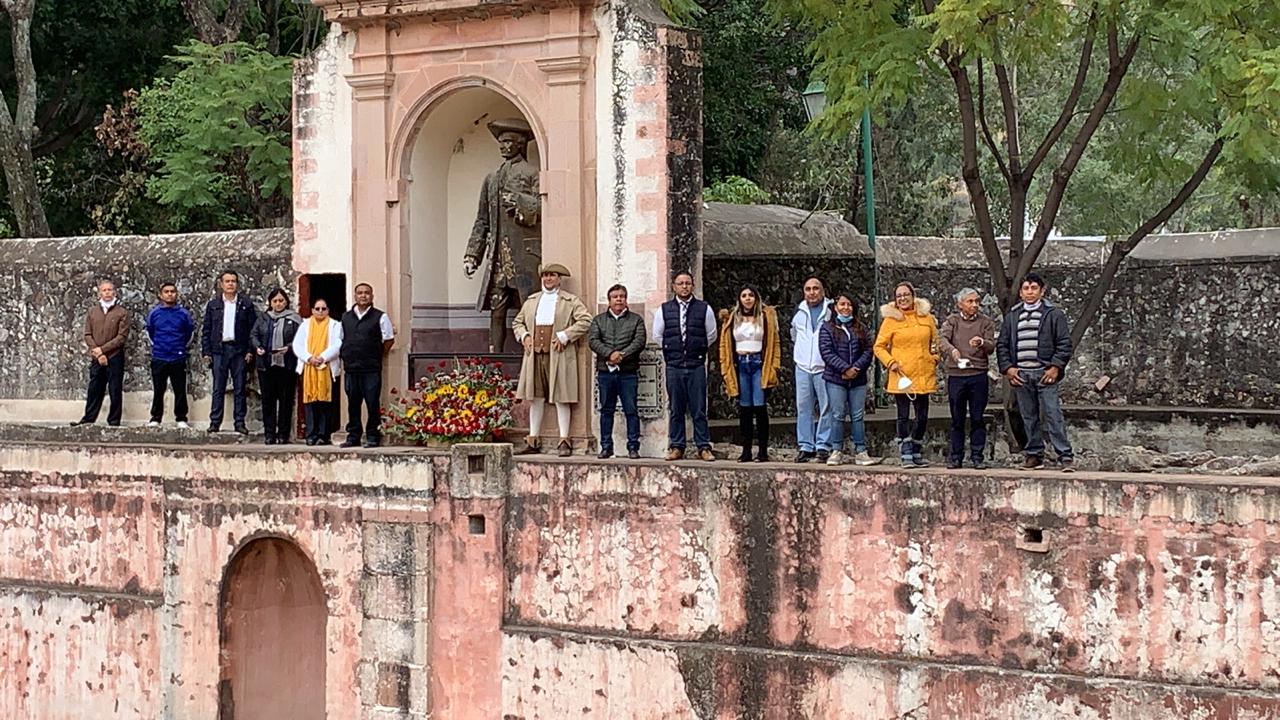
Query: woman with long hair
[(907, 346), (272, 340), (317, 345), (845, 346), (750, 355)]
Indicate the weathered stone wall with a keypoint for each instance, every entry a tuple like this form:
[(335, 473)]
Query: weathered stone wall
[(465, 586), (44, 370), (1184, 325)]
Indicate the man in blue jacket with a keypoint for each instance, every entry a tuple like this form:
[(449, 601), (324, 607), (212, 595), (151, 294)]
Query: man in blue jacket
[(224, 343), (1033, 350), (170, 327)]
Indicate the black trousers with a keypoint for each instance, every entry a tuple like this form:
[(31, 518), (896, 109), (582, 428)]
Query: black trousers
[(905, 404), (103, 379), (364, 391), (174, 374), (278, 386), (229, 363), (316, 417)]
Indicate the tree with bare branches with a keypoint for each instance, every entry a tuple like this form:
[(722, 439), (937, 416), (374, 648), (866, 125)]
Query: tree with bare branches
[(211, 29), (18, 125), (1166, 88)]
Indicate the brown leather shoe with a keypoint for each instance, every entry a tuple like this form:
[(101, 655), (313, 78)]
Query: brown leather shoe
[(1032, 463), (706, 454), (564, 449), (674, 454), (532, 446)]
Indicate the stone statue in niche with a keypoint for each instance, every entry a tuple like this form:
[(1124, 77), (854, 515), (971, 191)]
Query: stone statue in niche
[(507, 234)]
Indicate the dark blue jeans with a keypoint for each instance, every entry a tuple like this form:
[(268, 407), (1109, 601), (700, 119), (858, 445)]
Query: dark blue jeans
[(968, 396), (364, 391), (228, 361), (687, 392), (615, 386), (750, 379), (1032, 397)]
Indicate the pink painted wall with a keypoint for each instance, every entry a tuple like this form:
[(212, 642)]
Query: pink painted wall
[(643, 590)]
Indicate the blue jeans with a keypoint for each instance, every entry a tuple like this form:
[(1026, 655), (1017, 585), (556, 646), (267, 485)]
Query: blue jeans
[(687, 392), (1032, 397), (967, 396), (854, 400), (228, 361), (812, 433), (615, 386), (750, 379)]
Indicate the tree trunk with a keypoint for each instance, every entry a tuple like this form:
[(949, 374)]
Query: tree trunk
[(18, 130), (208, 27)]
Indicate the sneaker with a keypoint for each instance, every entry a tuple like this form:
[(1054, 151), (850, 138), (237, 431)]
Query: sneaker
[(182, 425), (1068, 464), (214, 428), (706, 454), (919, 461), (1032, 462), (674, 454), (836, 458), (804, 456), (605, 453), (633, 454), (863, 458), (154, 424), (979, 464), (953, 464)]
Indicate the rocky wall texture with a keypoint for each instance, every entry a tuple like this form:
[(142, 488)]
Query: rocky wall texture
[(786, 594), (53, 283), (1180, 307)]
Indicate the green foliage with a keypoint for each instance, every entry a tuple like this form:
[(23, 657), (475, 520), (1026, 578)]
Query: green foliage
[(684, 12), (1203, 69), (219, 131), (736, 190), (753, 73)]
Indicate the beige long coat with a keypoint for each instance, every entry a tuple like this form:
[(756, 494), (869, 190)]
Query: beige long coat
[(574, 319)]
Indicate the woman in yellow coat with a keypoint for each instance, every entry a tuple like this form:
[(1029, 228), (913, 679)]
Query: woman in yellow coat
[(750, 355), (907, 345)]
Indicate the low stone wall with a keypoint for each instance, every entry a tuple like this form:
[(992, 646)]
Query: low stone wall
[(1184, 326), (467, 586), (44, 370)]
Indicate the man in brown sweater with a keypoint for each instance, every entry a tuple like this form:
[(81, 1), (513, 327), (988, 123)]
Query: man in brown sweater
[(967, 339), (106, 328)]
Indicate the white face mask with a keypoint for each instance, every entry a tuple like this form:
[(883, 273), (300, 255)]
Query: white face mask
[(904, 382)]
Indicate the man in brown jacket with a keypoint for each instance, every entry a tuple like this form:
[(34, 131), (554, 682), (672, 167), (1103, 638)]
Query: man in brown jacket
[(967, 339), (106, 328)]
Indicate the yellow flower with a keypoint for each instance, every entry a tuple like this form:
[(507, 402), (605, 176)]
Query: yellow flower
[(463, 390), (411, 412)]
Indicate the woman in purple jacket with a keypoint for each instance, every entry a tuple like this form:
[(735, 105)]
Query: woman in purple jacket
[(846, 352)]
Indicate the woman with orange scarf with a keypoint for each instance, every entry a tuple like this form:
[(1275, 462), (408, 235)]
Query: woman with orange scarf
[(317, 344)]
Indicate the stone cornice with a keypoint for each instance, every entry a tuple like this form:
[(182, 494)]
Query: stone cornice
[(371, 86), (370, 12), (567, 70)]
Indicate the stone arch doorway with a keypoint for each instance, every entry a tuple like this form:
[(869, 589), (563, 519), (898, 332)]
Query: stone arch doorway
[(271, 617), (446, 161)]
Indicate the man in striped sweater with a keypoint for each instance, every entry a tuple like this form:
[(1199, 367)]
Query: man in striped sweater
[(1033, 352)]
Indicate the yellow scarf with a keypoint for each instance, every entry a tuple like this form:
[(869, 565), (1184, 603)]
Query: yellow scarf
[(317, 382)]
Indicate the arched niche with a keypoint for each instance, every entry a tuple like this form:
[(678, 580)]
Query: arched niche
[(449, 156), (272, 615)]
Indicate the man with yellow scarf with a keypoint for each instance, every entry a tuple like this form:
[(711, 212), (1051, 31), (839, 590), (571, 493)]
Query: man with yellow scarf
[(317, 345)]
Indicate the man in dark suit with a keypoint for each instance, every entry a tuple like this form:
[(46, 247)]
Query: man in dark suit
[(224, 342)]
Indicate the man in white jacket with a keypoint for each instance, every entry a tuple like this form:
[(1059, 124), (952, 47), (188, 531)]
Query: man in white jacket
[(813, 431)]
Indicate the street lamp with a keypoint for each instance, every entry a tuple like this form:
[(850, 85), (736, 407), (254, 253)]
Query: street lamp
[(815, 102)]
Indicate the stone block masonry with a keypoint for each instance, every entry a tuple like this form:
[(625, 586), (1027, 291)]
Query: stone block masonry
[(52, 283), (640, 590)]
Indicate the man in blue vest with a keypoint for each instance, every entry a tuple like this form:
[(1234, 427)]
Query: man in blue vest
[(366, 338), (685, 326)]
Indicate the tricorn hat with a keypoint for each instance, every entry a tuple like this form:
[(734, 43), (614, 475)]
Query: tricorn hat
[(515, 125), (556, 268)]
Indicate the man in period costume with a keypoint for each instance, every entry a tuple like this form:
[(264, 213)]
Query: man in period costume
[(548, 325), (507, 234)]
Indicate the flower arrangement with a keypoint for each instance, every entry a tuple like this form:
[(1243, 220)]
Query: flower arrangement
[(459, 400)]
